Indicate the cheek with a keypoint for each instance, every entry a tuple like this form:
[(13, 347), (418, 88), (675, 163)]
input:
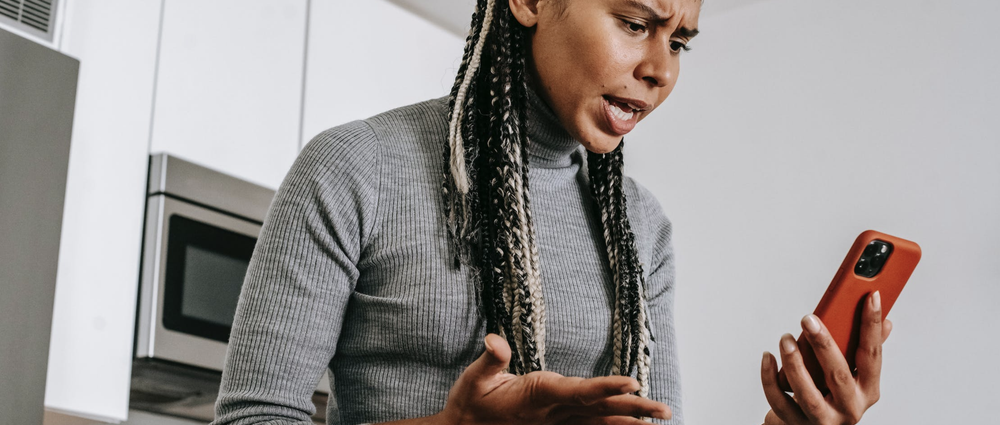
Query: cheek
[(611, 61), (675, 69)]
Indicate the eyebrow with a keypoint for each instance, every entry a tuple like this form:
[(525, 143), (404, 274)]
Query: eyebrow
[(654, 16)]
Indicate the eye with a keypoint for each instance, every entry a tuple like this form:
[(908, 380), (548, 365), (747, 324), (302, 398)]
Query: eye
[(677, 46), (633, 27)]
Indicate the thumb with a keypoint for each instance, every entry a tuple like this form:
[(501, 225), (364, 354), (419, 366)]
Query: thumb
[(494, 360)]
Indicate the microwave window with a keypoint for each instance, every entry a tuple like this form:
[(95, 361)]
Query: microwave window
[(212, 282), (205, 268)]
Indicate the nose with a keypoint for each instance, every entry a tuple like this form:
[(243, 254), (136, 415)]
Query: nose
[(657, 65)]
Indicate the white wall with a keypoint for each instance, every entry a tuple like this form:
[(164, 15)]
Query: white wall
[(794, 127)]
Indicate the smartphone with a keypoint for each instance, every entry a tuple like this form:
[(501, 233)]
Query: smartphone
[(876, 262)]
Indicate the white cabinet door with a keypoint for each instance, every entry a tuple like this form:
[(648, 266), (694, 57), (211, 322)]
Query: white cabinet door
[(94, 311), (229, 85), (370, 56)]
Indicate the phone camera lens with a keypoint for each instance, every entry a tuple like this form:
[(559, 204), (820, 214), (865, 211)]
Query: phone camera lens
[(861, 267), (873, 258)]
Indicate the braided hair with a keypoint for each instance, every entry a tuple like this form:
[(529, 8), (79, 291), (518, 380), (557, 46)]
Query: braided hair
[(488, 210)]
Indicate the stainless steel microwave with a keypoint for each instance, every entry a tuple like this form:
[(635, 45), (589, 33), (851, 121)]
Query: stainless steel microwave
[(200, 230)]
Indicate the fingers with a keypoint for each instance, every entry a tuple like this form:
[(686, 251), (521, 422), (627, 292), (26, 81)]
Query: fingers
[(605, 396), (783, 381), (493, 361), (602, 420), (836, 372), (626, 405), (886, 329), (551, 388), (807, 396), (782, 405), (869, 354)]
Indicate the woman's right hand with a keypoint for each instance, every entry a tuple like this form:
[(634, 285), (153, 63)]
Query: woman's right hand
[(484, 394)]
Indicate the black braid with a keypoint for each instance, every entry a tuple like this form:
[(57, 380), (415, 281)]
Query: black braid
[(627, 299), (606, 179), (633, 270), (460, 244), (518, 89)]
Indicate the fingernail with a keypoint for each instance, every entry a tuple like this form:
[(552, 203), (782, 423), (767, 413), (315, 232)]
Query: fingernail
[(811, 324), (877, 301), (765, 363), (488, 347), (787, 344)]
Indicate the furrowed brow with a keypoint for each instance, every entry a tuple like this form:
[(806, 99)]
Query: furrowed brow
[(653, 16), (645, 9), (686, 32)]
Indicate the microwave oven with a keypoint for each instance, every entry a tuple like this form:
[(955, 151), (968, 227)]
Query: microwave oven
[(200, 230)]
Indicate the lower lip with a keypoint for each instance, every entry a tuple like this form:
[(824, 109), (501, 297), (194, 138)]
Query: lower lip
[(618, 126)]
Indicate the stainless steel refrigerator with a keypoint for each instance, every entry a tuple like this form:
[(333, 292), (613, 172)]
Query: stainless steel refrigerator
[(37, 96)]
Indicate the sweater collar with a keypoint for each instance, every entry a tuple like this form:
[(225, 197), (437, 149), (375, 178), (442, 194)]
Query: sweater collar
[(549, 145)]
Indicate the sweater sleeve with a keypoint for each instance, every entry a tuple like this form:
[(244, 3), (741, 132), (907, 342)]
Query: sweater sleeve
[(665, 380), (300, 279)]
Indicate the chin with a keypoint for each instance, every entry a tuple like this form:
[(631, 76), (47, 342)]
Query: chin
[(602, 143)]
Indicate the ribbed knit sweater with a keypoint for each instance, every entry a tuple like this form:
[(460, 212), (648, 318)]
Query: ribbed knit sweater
[(352, 275)]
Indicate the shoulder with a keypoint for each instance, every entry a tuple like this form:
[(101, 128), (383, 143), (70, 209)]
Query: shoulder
[(421, 126), (423, 116), (642, 202), (357, 143), (652, 228)]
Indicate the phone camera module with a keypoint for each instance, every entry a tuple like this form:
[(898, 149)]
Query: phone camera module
[(873, 258)]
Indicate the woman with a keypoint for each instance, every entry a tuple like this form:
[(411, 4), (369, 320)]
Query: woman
[(360, 268)]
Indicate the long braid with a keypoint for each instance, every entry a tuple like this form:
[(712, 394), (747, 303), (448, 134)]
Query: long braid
[(520, 97), (631, 324), (458, 221), (512, 135), (487, 120), (598, 169), (632, 268), (488, 209), (457, 163), (629, 312), (506, 220)]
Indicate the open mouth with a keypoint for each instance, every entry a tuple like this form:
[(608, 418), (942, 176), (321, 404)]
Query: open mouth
[(627, 104), (623, 112), (621, 115)]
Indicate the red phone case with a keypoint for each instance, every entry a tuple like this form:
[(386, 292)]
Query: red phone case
[(841, 306)]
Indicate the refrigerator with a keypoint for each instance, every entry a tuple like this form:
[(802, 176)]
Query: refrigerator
[(37, 97)]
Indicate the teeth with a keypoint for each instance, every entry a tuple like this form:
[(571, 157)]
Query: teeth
[(618, 112)]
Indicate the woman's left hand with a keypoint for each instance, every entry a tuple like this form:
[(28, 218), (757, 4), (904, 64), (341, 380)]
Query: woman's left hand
[(850, 395)]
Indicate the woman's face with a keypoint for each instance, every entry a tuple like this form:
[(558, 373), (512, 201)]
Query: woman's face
[(604, 65)]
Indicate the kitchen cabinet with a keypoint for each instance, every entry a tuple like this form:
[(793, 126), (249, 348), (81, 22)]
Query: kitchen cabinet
[(98, 268), (370, 56), (228, 91)]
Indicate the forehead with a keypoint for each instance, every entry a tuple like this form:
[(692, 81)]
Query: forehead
[(686, 10)]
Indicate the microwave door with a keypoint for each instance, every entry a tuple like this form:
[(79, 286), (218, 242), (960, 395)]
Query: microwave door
[(192, 276)]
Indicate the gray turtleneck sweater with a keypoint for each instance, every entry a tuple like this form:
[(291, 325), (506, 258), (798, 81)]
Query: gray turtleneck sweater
[(352, 275)]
